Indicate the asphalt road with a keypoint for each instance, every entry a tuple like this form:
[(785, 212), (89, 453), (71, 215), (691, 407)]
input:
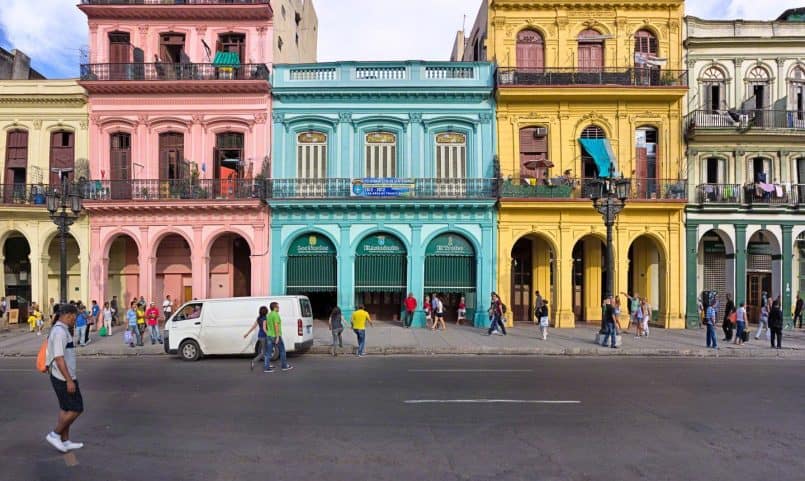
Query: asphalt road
[(375, 419)]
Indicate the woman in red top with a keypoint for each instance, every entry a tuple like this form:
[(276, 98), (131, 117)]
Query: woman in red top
[(428, 310), (152, 319), (462, 311)]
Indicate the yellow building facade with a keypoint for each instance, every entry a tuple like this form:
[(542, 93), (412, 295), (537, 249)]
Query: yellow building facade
[(580, 83), (43, 126)]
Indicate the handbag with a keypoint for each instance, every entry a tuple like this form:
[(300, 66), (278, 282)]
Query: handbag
[(127, 337), (733, 317), (102, 331)]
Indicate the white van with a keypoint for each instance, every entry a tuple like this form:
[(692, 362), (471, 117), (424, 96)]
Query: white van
[(217, 326)]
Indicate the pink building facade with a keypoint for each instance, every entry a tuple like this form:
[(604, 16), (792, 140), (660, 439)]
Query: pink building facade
[(179, 102)]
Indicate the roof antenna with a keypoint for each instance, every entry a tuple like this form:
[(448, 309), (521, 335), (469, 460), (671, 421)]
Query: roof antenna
[(464, 24)]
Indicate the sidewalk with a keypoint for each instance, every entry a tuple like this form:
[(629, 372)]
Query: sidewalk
[(524, 339)]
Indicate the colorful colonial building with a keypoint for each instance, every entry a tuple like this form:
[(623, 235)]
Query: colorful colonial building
[(179, 105), (746, 157), (383, 183), (43, 126), (587, 89)]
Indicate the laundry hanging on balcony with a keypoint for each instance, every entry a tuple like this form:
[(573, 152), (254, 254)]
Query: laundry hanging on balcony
[(603, 156)]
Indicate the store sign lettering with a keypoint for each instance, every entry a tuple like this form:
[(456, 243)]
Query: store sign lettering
[(311, 245), (381, 245), (449, 245)]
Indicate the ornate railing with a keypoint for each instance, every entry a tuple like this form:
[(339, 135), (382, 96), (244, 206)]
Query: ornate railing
[(174, 189), (172, 71), (629, 77), (23, 194), (743, 120), (751, 194), (576, 188), (719, 193), (381, 189)]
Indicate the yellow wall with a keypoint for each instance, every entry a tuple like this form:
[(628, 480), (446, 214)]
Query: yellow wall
[(619, 111), (41, 107)]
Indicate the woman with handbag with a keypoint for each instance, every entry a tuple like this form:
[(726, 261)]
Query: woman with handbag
[(729, 318)]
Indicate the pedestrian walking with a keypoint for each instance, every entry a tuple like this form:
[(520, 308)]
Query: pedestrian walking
[(140, 311), (635, 312), (81, 326), (710, 323), (616, 306), (647, 313), (428, 312), (95, 312), (410, 308), (262, 340), (537, 305), (776, 325), (359, 319), (438, 312), (152, 318), (798, 312), (609, 324), (134, 329), (61, 362), (336, 322), (496, 315), (113, 304), (763, 322), (462, 311), (726, 324), (167, 307), (740, 323), (544, 321), (274, 333), (107, 318)]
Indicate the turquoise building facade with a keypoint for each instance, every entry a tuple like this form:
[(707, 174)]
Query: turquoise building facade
[(383, 183)]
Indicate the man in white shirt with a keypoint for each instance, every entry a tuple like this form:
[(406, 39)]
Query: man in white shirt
[(167, 307), (62, 366)]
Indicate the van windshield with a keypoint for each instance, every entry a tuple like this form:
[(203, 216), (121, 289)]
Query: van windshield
[(305, 309), (190, 311)]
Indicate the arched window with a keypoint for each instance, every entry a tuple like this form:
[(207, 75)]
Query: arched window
[(311, 155), (796, 98), (381, 154), (589, 168), (171, 156), (16, 165), (120, 165), (591, 51), (451, 156), (646, 46), (534, 152), (530, 50), (757, 80), (714, 89), (62, 156)]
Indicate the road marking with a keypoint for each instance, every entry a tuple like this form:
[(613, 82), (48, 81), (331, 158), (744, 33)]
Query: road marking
[(470, 370), (17, 370), (489, 401)]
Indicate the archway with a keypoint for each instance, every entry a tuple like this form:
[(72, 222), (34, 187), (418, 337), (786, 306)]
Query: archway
[(450, 271), (17, 274), (533, 262), (230, 267), (312, 271), (763, 271), (174, 270), (588, 278), (381, 267), (647, 276), (123, 272), (73, 271), (716, 260)]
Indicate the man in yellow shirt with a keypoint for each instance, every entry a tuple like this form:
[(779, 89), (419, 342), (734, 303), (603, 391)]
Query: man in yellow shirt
[(359, 319)]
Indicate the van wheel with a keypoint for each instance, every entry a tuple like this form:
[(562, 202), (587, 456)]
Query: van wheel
[(189, 351)]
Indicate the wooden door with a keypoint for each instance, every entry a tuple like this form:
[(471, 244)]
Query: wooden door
[(16, 163), (530, 50), (62, 156), (756, 283), (119, 55), (120, 166), (171, 154), (591, 51)]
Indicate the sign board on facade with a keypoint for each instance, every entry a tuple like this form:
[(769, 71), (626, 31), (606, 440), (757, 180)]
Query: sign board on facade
[(449, 245), (757, 249), (382, 187), (714, 247), (381, 244), (311, 245)]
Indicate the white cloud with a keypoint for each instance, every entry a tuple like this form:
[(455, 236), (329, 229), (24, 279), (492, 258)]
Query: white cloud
[(49, 31), (746, 9)]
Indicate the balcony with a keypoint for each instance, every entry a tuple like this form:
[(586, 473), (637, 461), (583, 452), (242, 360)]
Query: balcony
[(22, 194), (604, 77), (174, 78), (743, 121), (177, 9), (562, 188), (771, 195), (152, 190), (381, 189)]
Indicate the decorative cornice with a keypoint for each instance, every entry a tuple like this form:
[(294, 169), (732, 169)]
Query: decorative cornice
[(345, 117), (106, 207), (233, 12), (511, 5), (278, 117), (66, 100), (220, 87)]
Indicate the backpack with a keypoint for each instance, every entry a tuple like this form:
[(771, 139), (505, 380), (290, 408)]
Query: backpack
[(503, 308)]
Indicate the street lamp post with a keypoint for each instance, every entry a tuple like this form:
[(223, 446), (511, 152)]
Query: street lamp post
[(609, 197), (64, 206)]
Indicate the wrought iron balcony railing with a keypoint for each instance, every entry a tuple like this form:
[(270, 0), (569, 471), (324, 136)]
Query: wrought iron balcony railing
[(174, 2), (744, 120), (607, 76), (174, 189), (23, 194), (172, 71), (576, 189), (751, 194), (381, 189), (719, 193)]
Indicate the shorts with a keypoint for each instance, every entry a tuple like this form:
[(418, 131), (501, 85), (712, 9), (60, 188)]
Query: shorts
[(439, 315), (462, 313), (67, 402)]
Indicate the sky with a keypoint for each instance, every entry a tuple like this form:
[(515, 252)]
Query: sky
[(54, 33)]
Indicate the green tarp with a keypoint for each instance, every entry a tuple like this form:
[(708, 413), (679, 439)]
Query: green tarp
[(311, 273), (226, 59), (380, 273), (603, 156)]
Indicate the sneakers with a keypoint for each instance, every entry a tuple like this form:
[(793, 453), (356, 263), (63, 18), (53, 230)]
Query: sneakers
[(268, 370), (55, 441), (71, 446), (287, 368)]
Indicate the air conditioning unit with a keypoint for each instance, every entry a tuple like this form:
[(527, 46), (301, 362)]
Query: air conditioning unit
[(540, 132)]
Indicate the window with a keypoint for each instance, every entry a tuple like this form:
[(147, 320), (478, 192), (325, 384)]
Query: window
[(16, 165), (62, 156), (120, 165), (530, 50), (796, 98), (228, 155), (589, 169), (645, 46), (715, 171), (119, 54), (171, 156), (311, 155), (591, 51), (171, 48), (279, 43), (759, 93), (451, 156), (234, 43), (761, 170), (714, 89), (381, 154), (646, 161), (534, 152)]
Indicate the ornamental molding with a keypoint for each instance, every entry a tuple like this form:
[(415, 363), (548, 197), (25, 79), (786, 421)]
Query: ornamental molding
[(278, 117), (415, 117), (345, 117), (37, 124), (83, 125), (260, 117), (197, 119), (67, 101), (511, 5), (485, 117)]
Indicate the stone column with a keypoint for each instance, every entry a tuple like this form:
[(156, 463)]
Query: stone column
[(416, 268), (740, 261), (346, 273), (563, 304), (788, 281), (278, 263), (485, 284), (692, 320), (39, 280)]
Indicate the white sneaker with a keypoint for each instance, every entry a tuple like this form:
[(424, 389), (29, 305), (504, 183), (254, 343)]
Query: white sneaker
[(71, 446), (55, 441)]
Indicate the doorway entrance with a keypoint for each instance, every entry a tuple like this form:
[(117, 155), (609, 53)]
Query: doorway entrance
[(313, 272), (450, 272), (381, 267), (588, 279)]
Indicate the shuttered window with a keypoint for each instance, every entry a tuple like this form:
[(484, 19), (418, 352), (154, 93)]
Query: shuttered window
[(17, 149), (311, 155), (591, 51), (715, 274), (645, 43), (451, 156), (533, 152), (530, 50), (380, 273), (311, 274), (381, 155), (62, 156), (171, 155)]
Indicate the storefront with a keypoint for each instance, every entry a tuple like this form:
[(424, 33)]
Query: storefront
[(312, 272), (450, 271), (381, 267)]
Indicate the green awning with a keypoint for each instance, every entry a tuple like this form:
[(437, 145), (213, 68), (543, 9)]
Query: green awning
[(312, 273), (226, 59), (380, 273), (603, 156), (449, 273)]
